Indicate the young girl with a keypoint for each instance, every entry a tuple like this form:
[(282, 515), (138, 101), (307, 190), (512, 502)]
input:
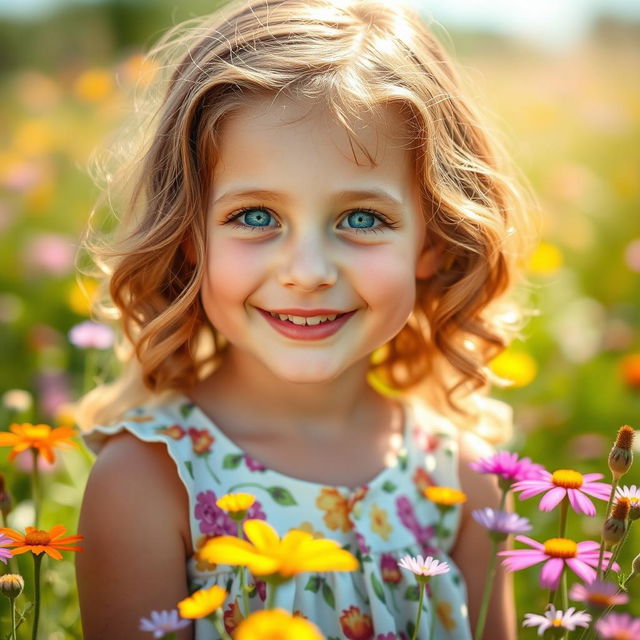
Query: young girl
[(310, 270)]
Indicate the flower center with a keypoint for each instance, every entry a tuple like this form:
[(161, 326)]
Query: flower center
[(561, 548), (599, 600), (557, 622), (37, 538), (567, 478)]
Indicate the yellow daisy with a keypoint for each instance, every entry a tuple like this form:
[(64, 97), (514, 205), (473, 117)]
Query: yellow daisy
[(277, 624), (266, 554), (201, 603)]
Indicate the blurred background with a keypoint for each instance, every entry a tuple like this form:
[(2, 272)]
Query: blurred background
[(561, 82)]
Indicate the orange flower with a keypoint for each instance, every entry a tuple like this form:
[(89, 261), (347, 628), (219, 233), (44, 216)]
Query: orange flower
[(201, 440), (337, 509), (379, 522), (175, 431), (201, 563), (422, 479), (356, 625), (444, 610), (630, 369), (40, 437), (38, 541)]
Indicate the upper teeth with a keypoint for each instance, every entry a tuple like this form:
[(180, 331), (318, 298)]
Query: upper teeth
[(313, 320)]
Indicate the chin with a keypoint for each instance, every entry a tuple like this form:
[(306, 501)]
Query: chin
[(307, 374)]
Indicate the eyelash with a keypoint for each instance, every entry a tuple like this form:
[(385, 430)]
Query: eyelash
[(238, 214)]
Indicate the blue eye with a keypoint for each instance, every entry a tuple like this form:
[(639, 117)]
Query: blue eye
[(256, 217), (361, 219)]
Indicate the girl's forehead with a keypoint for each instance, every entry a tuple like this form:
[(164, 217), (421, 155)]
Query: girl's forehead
[(282, 118)]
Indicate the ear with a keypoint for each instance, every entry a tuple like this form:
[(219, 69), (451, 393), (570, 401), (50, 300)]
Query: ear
[(429, 260)]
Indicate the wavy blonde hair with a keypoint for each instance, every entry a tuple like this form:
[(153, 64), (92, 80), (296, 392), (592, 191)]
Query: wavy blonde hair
[(356, 58)]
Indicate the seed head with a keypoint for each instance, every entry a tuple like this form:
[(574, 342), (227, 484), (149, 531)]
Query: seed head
[(11, 585), (615, 526), (621, 456)]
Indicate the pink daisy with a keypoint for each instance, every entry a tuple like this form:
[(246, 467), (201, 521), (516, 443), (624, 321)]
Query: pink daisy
[(508, 466), (556, 553), (565, 482), (598, 594), (618, 626)]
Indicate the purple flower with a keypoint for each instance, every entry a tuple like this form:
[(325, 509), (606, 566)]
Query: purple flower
[(362, 545), (565, 482), (5, 554), (91, 335), (407, 516), (501, 522), (557, 619), (253, 465), (556, 553), (618, 625), (508, 466), (213, 520), (598, 594), (162, 622)]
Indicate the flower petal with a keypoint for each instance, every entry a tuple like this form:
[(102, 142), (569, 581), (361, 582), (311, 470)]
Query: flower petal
[(550, 574), (552, 499), (261, 534), (582, 570), (580, 503)]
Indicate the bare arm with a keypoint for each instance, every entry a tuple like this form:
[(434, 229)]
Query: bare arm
[(134, 558), (472, 550)]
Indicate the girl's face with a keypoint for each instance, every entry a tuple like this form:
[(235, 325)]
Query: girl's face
[(296, 228)]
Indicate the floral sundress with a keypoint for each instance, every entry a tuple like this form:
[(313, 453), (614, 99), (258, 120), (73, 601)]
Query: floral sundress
[(378, 522)]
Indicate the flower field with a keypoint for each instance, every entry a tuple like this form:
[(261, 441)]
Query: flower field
[(572, 122)]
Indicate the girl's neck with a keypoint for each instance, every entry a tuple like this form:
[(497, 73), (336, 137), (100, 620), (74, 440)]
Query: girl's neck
[(245, 392)]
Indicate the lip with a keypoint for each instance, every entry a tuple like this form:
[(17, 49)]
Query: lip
[(304, 332)]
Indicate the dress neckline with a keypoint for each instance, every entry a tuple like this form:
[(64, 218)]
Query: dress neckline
[(380, 477)]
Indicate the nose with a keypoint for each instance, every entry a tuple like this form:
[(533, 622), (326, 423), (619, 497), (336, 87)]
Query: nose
[(307, 264)]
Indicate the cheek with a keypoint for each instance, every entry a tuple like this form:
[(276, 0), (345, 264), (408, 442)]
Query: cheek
[(233, 271), (386, 280)]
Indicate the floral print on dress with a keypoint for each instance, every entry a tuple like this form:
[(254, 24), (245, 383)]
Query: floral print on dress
[(379, 521)]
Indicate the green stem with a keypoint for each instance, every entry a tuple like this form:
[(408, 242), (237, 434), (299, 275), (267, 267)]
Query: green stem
[(423, 588), (488, 586), (271, 599), (218, 623), (245, 484), (616, 551), (37, 559), (614, 484), (503, 498), (243, 570), (35, 486), (564, 512), (434, 607), (211, 471), (13, 619)]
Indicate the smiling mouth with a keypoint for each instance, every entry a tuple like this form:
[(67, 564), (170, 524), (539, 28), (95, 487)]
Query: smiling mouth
[(311, 321)]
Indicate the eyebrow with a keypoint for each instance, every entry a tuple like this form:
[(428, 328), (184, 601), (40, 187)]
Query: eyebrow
[(348, 194)]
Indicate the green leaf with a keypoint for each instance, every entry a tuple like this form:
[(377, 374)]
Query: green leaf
[(377, 588), (281, 496), (402, 461), (411, 628), (313, 584), (389, 487), (412, 593), (327, 594), (232, 460), (189, 465), (186, 409)]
